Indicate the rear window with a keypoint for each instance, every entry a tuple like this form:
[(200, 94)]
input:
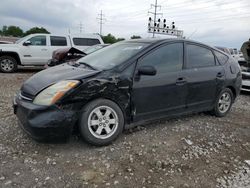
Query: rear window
[(85, 41), (58, 41), (198, 56), (222, 58)]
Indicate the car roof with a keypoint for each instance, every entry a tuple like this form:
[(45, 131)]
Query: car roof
[(158, 41)]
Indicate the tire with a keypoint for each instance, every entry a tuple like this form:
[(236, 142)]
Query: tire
[(8, 64), (101, 122), (223, 103)]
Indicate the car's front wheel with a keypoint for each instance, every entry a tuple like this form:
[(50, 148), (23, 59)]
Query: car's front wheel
[(101, 122), (223, 103), (8, 64)]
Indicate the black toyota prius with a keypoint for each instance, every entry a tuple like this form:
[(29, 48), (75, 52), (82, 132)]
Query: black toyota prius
[(125, 84)]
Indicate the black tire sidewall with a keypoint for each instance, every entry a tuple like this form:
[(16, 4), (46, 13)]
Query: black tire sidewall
[(216, 108), (83, 123), (13, 60)]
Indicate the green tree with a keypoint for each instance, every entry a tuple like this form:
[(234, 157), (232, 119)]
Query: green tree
[(135, 37), (120, 39), (36, 30), (109, 39), (12, 30), (4, 30)]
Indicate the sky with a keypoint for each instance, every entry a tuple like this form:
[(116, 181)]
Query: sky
[(215, 22)]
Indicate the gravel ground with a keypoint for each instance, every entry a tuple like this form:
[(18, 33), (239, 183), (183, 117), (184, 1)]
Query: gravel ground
[(191, 151)]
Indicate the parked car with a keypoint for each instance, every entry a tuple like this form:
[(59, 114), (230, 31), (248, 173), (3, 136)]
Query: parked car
[(71, 54), (237, 55), (36, 49), (125, 84), (245, 66)]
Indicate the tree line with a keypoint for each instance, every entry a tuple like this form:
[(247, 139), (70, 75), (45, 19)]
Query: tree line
[(16, 31), (112, 39)]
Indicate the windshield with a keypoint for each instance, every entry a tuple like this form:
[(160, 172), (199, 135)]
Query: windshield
[(113, 55), (21, 39), (92, 49)]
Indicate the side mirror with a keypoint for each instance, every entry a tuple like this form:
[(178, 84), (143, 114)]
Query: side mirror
[(147, 70), (27, 43)]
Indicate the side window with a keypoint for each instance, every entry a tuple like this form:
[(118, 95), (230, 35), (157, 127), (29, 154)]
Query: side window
[(92, 42), (58, 41), (80, 41), (221, 57), (199, 57), (168, 58), (39, 40), (85, 41)]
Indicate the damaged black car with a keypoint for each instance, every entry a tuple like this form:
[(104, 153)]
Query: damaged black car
[(126, 84)]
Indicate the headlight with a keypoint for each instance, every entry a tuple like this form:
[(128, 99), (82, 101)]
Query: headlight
[(54, 92)]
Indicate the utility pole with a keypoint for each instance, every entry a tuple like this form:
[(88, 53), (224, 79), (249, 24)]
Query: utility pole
[(81, 27), (155, 13), (102, 19)]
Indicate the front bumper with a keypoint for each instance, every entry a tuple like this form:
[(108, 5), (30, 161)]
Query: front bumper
[(245, 81), (44, 123), (245, 85)]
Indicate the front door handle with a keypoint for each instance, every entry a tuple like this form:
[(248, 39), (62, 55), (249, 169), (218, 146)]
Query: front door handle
[(44, 49), (181, 81)]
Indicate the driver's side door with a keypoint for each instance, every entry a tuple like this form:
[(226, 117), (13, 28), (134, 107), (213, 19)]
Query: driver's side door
[(36, 52), (165, 92)]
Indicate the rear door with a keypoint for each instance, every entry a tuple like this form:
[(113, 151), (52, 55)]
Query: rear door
[(164, 93), (58, 42), (204, 76)]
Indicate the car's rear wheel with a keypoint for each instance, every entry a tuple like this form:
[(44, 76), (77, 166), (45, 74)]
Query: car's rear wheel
[(101, 122), (223, 103), (8, 64)]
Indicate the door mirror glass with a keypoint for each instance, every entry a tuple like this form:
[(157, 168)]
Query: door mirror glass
[(147, 70), (27, 43)]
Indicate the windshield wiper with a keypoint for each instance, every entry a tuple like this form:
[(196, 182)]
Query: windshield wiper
[(88, 65)]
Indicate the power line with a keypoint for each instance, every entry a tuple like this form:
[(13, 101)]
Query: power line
[(205, 10), (170, 7), (215, 20), (155, 13), (193, 12), (102, 19)]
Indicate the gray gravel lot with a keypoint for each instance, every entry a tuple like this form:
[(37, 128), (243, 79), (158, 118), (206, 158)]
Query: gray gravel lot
[(191, 151)]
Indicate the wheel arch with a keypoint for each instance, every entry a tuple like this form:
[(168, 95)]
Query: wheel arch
[(233, 91), (123, 109), (12, 54)]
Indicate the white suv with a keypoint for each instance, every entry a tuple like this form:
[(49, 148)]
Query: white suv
[(36, 49)]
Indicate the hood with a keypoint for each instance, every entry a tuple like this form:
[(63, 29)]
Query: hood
[(12, 45), (47, 77)]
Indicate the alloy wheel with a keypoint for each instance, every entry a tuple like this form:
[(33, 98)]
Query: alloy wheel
[(224, 102), (102, 122), (7, 65)]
